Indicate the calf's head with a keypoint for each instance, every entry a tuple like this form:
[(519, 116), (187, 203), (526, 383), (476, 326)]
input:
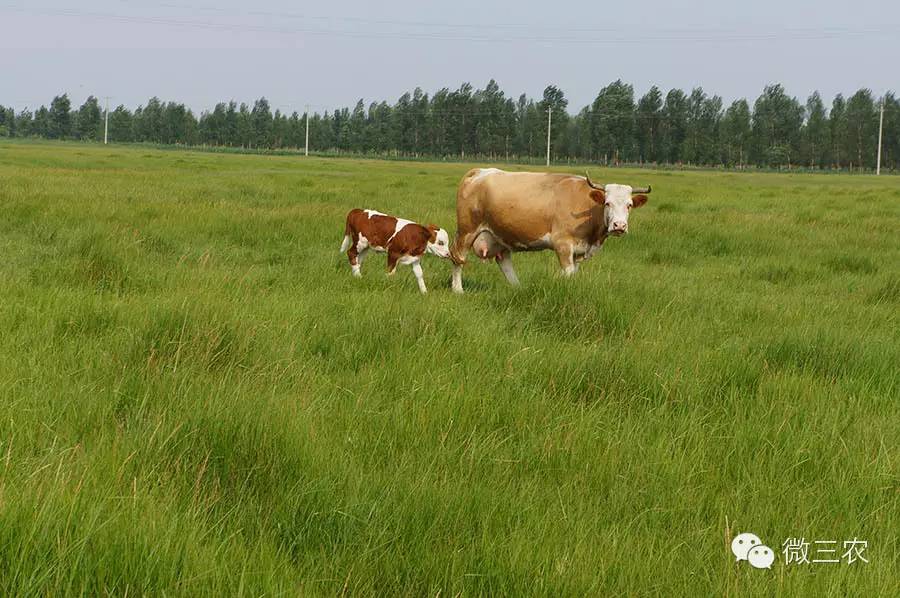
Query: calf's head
[(617, 202), (438, 241)]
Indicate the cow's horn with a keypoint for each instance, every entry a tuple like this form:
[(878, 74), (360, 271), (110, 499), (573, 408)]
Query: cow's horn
[(641, 189), (590, 184)]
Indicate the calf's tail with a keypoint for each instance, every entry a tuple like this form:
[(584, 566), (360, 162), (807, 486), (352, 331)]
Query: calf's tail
[(348, 237)]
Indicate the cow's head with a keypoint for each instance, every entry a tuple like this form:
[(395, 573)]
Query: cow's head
[(617, 201), (438, 241)]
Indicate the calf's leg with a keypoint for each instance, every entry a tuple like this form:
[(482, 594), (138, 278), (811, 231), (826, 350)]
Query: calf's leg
[(360, 256), (392, 259), (355, 258), (417, 271)]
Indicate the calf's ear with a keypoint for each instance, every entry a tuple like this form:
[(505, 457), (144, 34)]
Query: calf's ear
[(598, 195), (638, 200), (432, 233)]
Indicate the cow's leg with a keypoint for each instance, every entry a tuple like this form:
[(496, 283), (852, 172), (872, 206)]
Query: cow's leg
[(456, 279), (462, 244), (565, 253), (417, 271), (506, 266)]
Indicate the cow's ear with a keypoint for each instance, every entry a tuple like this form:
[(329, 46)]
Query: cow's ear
[(598, 195), (638, 200), (432, 233)]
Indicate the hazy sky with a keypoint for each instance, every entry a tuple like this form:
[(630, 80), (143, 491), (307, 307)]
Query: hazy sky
[(331, 54)]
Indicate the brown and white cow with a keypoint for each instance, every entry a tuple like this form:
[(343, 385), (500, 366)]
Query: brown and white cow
[(404, 241), (500, 212)]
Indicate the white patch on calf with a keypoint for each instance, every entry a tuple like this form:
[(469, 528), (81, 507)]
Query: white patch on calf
[(363, 245), (401, 222), (441, 245), (371, 213)]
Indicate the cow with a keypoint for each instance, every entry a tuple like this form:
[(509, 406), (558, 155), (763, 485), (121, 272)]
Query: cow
[(404, 241), (500, 212)]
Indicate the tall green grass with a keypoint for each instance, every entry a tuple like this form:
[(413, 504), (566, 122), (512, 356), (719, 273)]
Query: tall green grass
[(198, 399)]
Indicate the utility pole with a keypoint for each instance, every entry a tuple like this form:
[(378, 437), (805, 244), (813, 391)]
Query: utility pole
[(106, 124), (549, 115), (880, 129), (306, 147)]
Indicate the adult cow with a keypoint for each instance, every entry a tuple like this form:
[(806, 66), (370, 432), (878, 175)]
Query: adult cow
[(500, 212)]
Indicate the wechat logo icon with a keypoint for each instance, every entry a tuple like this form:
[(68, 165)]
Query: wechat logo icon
[(748, 547)]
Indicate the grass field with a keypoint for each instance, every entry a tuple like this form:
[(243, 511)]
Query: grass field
[(198, 399)]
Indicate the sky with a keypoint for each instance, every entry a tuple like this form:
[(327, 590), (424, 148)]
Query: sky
[(329, 55)]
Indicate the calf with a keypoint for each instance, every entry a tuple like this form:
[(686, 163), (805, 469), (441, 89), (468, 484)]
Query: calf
[(404, 241)]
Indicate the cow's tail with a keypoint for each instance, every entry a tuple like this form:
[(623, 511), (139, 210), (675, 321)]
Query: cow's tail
[(463, 240)]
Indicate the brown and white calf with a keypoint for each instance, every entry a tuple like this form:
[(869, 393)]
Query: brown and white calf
[(404, 241)]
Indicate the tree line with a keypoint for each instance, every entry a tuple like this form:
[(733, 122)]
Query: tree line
[(676, 127)]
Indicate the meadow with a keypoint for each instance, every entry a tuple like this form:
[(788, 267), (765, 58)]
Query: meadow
[(198, 398)]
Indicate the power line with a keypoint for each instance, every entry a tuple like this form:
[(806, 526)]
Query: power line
[(609, 37), (488, 26)]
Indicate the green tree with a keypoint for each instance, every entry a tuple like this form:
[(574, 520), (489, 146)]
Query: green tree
[(460, 118), (837, 126), (528, 127), (890, 154), (777, 120), (491, 130), (231, 135), (60, 118), (674, 131), (88, 120), (555, 101), (121, 125), (279, 129), (261, 118), (612, 122), (148, 121), (702, 132), (735, 133), (861, 120), (7, 122), (648, 117), (24, 123), (42, 125), (246, 135), (356, 128), (815, 132)]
